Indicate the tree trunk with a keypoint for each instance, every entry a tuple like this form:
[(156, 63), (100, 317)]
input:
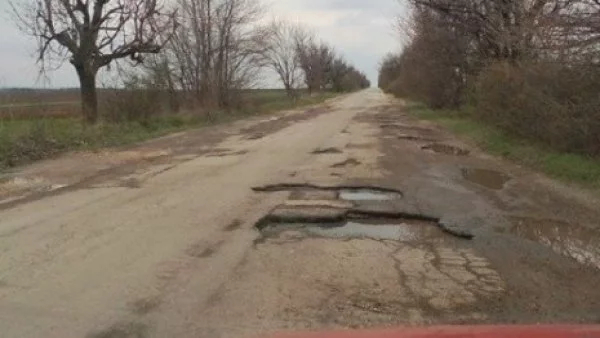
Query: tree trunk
[(89, 96)]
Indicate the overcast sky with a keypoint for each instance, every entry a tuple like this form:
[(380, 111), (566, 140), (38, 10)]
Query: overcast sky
[(361, 30)]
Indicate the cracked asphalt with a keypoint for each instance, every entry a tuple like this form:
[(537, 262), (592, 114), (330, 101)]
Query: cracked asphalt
[(161, 239)]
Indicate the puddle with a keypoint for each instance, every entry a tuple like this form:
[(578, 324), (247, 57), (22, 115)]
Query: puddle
[(446, 149), (368, 195), (487, 178), (571, 240), (398, 231)]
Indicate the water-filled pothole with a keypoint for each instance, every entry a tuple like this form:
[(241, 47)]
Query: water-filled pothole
[(365, 194), (487, 178), (446, 149), (349, 193), (571, 240), (392, 230)]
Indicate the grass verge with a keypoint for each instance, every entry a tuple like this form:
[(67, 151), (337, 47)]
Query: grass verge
[(27, 140), (567, 167)]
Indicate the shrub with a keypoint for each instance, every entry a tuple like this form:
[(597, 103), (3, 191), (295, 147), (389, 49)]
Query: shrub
[(555, 104)]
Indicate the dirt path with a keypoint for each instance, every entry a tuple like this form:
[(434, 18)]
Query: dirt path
[(267, 224)]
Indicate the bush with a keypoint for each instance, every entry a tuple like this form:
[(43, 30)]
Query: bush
[(547, 102), (140, 100)]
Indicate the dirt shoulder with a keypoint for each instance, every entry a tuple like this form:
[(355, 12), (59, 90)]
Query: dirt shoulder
[(131, 165)]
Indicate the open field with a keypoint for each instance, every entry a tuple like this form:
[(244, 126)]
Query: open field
[(38, 133), (37, 103)]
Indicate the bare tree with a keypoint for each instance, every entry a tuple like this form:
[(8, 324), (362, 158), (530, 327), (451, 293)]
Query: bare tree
[(214, 51), (93, 33), (316, 60), (279, 53)]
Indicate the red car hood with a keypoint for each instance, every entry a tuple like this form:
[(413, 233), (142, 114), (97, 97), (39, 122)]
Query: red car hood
[(553, 331)]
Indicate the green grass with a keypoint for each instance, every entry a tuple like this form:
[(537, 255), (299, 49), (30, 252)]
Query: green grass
[(568, 167), (26, 140)]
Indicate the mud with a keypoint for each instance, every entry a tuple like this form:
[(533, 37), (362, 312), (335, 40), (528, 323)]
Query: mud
[(570, 240), (490, 179), (446, 149)]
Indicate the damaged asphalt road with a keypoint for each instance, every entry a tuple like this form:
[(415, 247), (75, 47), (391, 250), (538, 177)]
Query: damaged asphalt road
[(347, 215)]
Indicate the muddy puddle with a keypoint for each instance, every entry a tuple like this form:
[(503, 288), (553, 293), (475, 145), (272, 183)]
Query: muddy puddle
[(367, 195), (446, 149), (490, 179), (571, 240), (394, 230)]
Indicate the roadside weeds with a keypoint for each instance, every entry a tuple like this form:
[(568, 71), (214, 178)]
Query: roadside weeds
[(27, 140), (567, 167)]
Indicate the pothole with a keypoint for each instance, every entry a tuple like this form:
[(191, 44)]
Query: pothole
[(392, 230), (406, 127), (322, 151), (571, 240), (255, 137), (360, 146), (410, 137), (446, 149), (487, 178), (227, 153), (349, 208), (351, 162)]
